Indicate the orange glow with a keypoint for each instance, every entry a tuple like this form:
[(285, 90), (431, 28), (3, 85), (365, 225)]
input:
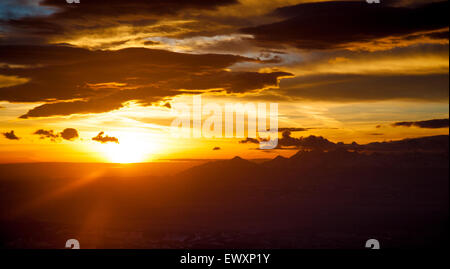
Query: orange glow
[(130, 151)]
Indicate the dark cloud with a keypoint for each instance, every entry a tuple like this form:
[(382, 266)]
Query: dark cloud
[(105, 139), (69, 134), (430, 124), (409, 3), (311, 142), (437, 143), (216, 148), (94, 105), (348, 87), (66, 134), (57, 17), (46, 134), (72, 80), (338, 24), (10, 135), (249, 140), (118, 7), (292, 129), (232, 82), (149, 42)]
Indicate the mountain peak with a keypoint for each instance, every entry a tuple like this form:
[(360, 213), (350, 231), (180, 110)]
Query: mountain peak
[(239, 161)]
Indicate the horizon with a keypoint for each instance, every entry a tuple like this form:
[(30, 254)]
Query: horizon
[(291, 151)]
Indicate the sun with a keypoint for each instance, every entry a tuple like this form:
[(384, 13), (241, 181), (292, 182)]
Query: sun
[(129, 150)]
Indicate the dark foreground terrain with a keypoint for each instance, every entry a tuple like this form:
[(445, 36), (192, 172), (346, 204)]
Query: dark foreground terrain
[(315, 199)]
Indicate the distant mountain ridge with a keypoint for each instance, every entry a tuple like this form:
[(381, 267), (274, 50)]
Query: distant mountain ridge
[(432, 150)]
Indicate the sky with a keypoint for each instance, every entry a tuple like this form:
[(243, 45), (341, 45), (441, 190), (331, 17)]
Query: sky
[(97, 81)]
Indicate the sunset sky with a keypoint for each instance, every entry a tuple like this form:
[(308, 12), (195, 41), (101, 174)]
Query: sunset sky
[(345, 70)]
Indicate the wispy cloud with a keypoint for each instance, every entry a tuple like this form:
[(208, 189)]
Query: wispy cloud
[(431, 124)]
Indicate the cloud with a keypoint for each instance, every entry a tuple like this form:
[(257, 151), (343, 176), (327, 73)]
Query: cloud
[(10, 135), (54, 19), (311, 142), (249, 140), (7, 81), (105, 139), (350, 87), (216, 148), (410, 3), (409, 60), (346, 24), (118, 7), (430, 124), (13, 9), (210, 26), (292, 129), (72, 80), (46, 134), (437, 143), (414, 73), (66, 134), (69, 134)]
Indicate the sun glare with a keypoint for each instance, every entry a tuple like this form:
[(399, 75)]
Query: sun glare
[(129, 150)]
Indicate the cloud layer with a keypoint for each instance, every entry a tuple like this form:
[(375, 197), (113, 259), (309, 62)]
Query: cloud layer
[(347, 24), (430, 124), (72, 80)]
